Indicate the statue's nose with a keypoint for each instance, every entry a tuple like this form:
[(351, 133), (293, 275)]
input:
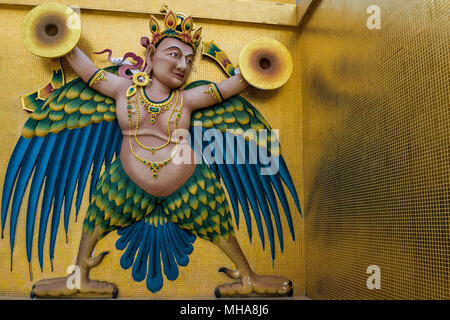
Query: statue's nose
[(181, 65)]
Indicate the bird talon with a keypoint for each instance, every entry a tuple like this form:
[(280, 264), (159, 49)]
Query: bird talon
[(217, 293), (115, 293)]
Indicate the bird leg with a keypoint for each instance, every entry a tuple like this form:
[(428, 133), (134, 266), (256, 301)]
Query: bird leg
[(78, 281), (248, 280)]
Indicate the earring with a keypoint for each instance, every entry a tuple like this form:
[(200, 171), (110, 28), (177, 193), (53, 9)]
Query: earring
[(140, 79)]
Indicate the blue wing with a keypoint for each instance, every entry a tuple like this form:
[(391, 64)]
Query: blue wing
[(239, 145), (67, 138)]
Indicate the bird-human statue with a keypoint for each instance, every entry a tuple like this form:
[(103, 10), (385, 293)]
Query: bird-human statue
[(157, 203)]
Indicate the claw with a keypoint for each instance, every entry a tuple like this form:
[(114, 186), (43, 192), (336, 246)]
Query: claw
[(217, 293), (32, 294), (115, 293), (290, 292), (233, 274)]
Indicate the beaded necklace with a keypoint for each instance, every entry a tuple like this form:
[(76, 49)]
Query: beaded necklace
[(155, 108), (155, 166)]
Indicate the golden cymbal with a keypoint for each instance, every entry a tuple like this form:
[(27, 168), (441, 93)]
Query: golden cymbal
[(51, 30), (265, 63)]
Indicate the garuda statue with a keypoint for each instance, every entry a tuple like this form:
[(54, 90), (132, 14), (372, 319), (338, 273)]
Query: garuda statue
[(161, 184)]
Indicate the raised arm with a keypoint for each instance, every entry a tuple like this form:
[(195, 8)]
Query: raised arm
[(85, 68), (199, 97)]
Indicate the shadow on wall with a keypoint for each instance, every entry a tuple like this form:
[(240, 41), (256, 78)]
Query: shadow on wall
[(376, 131)]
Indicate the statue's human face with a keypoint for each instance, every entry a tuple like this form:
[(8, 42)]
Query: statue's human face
[(172, 62)]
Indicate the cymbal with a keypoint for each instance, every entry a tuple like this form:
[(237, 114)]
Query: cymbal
[(265, 63), (51, 30)]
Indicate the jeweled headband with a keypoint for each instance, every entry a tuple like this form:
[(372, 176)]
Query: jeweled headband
[(176, 26)]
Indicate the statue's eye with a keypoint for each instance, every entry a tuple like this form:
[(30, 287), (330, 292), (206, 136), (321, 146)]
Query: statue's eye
[(174, 54), (189, 61)]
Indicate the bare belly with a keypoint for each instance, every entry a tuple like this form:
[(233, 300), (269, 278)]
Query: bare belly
[(170, 177)]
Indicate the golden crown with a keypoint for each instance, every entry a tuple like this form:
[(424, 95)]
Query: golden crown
[(176, 26)]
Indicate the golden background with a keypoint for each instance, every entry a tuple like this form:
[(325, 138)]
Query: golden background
[(21, 73), (376, 141), (364, 128)]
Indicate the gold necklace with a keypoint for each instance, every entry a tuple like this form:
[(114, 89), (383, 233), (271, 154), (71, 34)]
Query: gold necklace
[(153, 149), (155, 108), (155, 166), (141, 80)]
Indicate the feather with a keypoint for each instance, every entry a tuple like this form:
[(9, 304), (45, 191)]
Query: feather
[(260, 195), (115, 138), (290, 184), (11, 175), (50, 184), (126, 234), (178, 248), (170, 267), (99, 157), (24, 176), (154, 280), (87, 164), (35, 190), (61, 185), (74, 171), (276, 182), (139, 270), (126, 261)]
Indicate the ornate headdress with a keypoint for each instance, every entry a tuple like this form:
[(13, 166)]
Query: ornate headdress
[(177, 26)]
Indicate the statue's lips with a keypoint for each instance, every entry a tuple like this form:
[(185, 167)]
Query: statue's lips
[(179, 75)]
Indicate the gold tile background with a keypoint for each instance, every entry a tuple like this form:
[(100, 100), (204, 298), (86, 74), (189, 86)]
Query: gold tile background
[(376, 144), (21, 72)]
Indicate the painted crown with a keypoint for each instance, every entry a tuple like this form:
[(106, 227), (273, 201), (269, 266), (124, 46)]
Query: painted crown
[(176, 26)]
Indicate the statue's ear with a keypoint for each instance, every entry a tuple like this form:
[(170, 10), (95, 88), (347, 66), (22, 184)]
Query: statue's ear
[(149, 58)]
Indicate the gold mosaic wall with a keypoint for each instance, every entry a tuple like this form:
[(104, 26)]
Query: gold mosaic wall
[(21, 72), (376, 138)]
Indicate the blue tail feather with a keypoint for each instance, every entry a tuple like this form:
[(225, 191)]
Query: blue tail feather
[(169, 266), (158, 243), (154, 276), (178, 250), (125, 236), (139, 270), (126, 261)]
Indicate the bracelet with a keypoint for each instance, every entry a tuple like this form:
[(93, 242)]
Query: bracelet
[(96, 77), (214, 92)]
